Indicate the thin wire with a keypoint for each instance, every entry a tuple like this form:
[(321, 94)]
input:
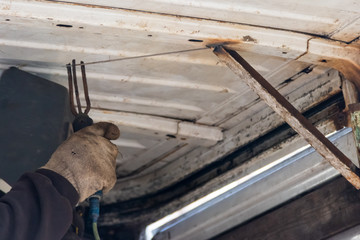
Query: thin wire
[(95, 231), (143, 56)]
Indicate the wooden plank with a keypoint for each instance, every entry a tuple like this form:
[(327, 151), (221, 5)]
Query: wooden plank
[(289, 113), (320, 214)]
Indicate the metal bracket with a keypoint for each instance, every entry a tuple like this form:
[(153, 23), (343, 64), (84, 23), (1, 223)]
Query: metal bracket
[(289, 113)]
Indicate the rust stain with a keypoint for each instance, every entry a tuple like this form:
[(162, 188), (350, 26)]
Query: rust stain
[(248, 38), (224, 90), (143, 24), (6, 6), (349, 69), (77, 4), (194, 32), (107, 112), (179, 17), (213, 42)]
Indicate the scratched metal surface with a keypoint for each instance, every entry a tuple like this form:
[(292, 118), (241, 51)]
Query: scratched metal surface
[(180, 112)]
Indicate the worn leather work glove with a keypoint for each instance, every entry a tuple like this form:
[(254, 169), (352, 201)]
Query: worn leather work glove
[(87, 159)]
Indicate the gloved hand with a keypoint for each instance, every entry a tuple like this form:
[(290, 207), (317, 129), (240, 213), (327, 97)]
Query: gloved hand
[(87, 159)]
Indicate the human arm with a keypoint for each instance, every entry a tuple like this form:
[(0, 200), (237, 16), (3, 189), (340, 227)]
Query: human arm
[(40, 204)]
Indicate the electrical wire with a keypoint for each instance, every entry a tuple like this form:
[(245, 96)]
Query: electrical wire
[(141, 56), (94, 212), (95, 231)]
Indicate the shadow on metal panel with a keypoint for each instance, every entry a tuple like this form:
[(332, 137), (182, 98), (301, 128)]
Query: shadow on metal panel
[(34, 120)]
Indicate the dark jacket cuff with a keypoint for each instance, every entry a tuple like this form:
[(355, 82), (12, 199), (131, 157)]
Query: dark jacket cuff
[(63, 186)]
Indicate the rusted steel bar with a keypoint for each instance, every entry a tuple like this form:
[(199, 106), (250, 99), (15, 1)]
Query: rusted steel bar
[(73, 87), (86, 90), (71, 91), (289, 113), (76, 86)]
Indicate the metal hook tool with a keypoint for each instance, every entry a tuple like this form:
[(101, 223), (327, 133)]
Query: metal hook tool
[(81, 121), (81, 118)]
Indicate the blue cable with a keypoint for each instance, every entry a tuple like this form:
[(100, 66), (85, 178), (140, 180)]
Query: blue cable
[(94, 211)]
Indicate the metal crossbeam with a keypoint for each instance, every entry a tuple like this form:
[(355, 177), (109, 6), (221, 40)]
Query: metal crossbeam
[(289, 113)]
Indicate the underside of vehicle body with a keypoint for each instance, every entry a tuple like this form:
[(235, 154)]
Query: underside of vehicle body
[(208, 154)]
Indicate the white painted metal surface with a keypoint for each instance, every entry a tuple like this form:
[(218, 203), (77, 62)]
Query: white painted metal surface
[(321, 17), (247, 129), (180, 112)]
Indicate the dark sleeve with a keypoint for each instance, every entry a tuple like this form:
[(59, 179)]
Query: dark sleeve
[(39, 206)]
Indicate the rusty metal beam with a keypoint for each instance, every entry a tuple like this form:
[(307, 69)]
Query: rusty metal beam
[(289, 113)]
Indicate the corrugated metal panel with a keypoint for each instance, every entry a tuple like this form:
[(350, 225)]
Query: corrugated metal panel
[(323, 17), (181, 112)]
